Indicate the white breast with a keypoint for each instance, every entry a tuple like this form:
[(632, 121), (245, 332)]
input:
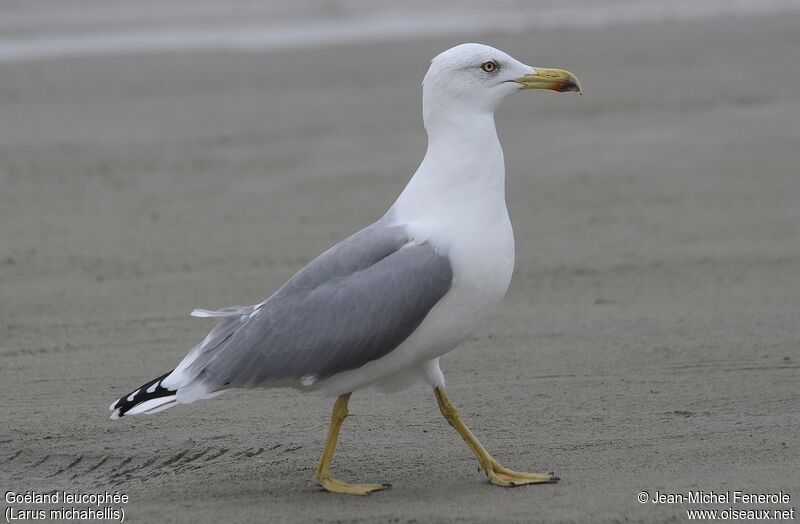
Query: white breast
[(482, 266), (478, 240), (479, 243), (455, 202)]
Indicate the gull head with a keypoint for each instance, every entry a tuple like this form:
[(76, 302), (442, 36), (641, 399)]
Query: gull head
[(476, 78)]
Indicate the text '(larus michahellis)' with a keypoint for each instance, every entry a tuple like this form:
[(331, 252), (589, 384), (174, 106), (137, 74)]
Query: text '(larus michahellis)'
[(381, 307)]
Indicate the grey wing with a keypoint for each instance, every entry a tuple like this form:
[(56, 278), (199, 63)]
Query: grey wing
[(353, 304)]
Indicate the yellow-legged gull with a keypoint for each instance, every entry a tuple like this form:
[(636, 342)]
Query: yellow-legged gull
[(383, 305)]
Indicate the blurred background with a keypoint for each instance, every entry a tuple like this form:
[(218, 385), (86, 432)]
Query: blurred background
[(158, 156), (53, 28)]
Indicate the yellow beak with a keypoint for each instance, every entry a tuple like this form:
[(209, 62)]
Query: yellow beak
[(554, 79)]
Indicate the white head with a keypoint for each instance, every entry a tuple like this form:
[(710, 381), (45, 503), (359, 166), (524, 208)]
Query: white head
[(475, 78)]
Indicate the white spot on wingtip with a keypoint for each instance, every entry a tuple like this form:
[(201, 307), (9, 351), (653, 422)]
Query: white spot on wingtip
[(152, 388), (130, 397), (308, 380)]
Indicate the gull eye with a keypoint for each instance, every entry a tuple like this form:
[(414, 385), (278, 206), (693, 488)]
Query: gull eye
[(490, 66)]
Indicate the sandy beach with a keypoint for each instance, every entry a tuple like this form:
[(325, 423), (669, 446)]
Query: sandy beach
[(650, 339)]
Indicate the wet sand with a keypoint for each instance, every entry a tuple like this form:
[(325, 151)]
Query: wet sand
[(649, 340)]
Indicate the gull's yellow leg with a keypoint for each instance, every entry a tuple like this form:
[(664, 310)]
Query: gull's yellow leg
[(498, 475), (322, 473)]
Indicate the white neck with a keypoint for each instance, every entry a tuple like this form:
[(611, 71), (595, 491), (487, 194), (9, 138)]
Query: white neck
[(463, 167)]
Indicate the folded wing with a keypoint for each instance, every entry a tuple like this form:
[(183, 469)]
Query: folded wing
[(353, 304)]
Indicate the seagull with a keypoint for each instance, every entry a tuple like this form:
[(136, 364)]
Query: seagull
[(382, 306)]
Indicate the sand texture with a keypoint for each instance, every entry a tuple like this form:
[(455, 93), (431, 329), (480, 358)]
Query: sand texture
[(650, 338)]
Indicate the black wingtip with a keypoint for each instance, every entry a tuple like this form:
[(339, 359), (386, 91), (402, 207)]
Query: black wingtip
[(139, 395)]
